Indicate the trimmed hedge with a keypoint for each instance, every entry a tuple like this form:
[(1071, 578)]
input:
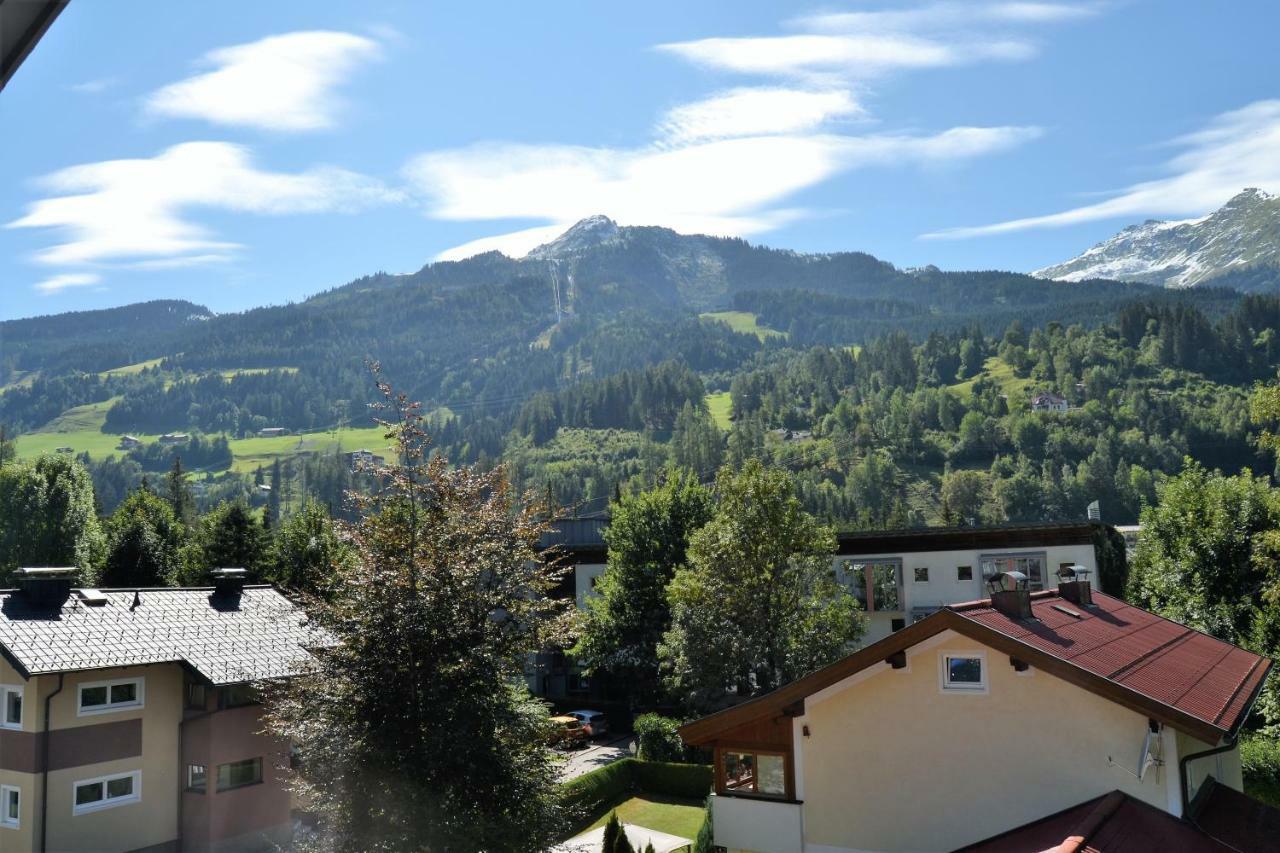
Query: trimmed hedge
[(594, 792), (658, 738), (689, 781)]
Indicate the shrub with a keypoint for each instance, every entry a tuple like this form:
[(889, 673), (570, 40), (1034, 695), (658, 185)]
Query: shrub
[(657, 738), (704, 843), (1260, 765), (688, 781)]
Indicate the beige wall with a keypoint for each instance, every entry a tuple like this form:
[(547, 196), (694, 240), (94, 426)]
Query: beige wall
[(20, 839), (959, 768), (153, 819), (583, 575)]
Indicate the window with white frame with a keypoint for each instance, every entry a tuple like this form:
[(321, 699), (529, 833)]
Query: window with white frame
[(106, 792), (102, 697), (1031, 565), (964, 672), (10, 706), (10, 806)]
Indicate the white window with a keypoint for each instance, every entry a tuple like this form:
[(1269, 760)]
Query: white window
[(106, 792), (10, 806), (104, 697), (10, 706), (963, 672), (1031, 565)]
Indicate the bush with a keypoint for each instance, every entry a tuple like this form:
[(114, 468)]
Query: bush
[(657, 738), (705, 841), (688, 781), (1260, 764)]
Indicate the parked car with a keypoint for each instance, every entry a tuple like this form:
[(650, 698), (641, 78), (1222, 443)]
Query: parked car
[(595, 722), (567, 732)]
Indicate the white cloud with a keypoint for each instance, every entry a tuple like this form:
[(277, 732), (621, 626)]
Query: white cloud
[(59, 283), (282, 82), (727, 186), (94, 87), (755, 111), (727, 162), (134, 210), (854, 55), (1236, 150)]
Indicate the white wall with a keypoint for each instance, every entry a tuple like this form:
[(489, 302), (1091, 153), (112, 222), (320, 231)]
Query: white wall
[(943, 588), (758, 826), (583, 576)]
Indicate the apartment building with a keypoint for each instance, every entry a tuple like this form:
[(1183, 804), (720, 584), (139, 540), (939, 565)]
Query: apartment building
[(1021, 721), (130, 717)]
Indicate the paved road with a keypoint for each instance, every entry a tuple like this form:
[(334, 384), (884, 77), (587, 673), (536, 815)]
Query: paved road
[(597, 755)]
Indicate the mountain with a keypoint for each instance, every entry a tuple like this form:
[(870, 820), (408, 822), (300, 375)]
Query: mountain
[(1236, 245)]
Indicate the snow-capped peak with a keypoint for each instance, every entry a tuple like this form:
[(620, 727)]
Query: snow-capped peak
[(1244, 232)]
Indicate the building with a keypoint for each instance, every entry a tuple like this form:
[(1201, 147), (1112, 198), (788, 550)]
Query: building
[(359, 459), (578, 544), (983, 718), (175, 438), (130, 716), (1049, 402), (128, 442), (902, 576), (271, 432)]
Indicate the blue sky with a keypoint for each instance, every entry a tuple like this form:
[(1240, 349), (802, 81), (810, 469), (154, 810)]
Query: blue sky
[(239, 154)]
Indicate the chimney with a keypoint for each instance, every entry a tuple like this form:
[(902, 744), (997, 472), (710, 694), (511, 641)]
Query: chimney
[(228, 582), (1074, 586), (1010, 594), (47, 587)]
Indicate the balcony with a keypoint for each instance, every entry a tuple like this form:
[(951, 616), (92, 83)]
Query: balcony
[(758, 825)]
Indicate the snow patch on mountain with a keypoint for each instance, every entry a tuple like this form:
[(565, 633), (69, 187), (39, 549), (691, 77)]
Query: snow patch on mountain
[(1243, 232)]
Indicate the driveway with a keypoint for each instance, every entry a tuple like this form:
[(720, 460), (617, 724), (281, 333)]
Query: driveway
[(594, 756)]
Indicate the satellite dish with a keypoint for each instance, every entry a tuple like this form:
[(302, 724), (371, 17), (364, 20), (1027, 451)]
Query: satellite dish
[(1145, 759)]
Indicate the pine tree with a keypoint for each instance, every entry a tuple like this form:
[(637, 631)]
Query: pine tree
[(178, 493)]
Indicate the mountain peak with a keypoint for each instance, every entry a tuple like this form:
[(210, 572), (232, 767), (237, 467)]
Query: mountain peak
[(582, 235), (1242, 234)]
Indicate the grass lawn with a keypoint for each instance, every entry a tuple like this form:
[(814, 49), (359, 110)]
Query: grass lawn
[(1002, 373), (745, 322), (130, 369), (249, 453), (719, 405), (665, 814), (79, 428)]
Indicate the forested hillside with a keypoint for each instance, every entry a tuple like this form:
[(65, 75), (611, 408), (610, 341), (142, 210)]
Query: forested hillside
[(897, 397)]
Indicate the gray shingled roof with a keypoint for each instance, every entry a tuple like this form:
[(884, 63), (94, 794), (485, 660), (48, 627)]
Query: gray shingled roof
[(259, 634)]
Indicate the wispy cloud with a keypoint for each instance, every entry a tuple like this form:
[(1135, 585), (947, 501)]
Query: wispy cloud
[(726, 163), (756, 111), (58, 283), (1236, 150), (94, 87), (728, 186), (283, 83), (137, 210)]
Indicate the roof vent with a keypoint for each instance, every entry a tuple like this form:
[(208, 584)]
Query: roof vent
[(1010, 594), (228, 582), (1074, 586), (92, 597), (47, 586)]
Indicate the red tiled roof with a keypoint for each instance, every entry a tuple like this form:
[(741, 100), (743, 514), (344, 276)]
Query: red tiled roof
[(1196, 674), (1158, 668), (1112, 823)]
